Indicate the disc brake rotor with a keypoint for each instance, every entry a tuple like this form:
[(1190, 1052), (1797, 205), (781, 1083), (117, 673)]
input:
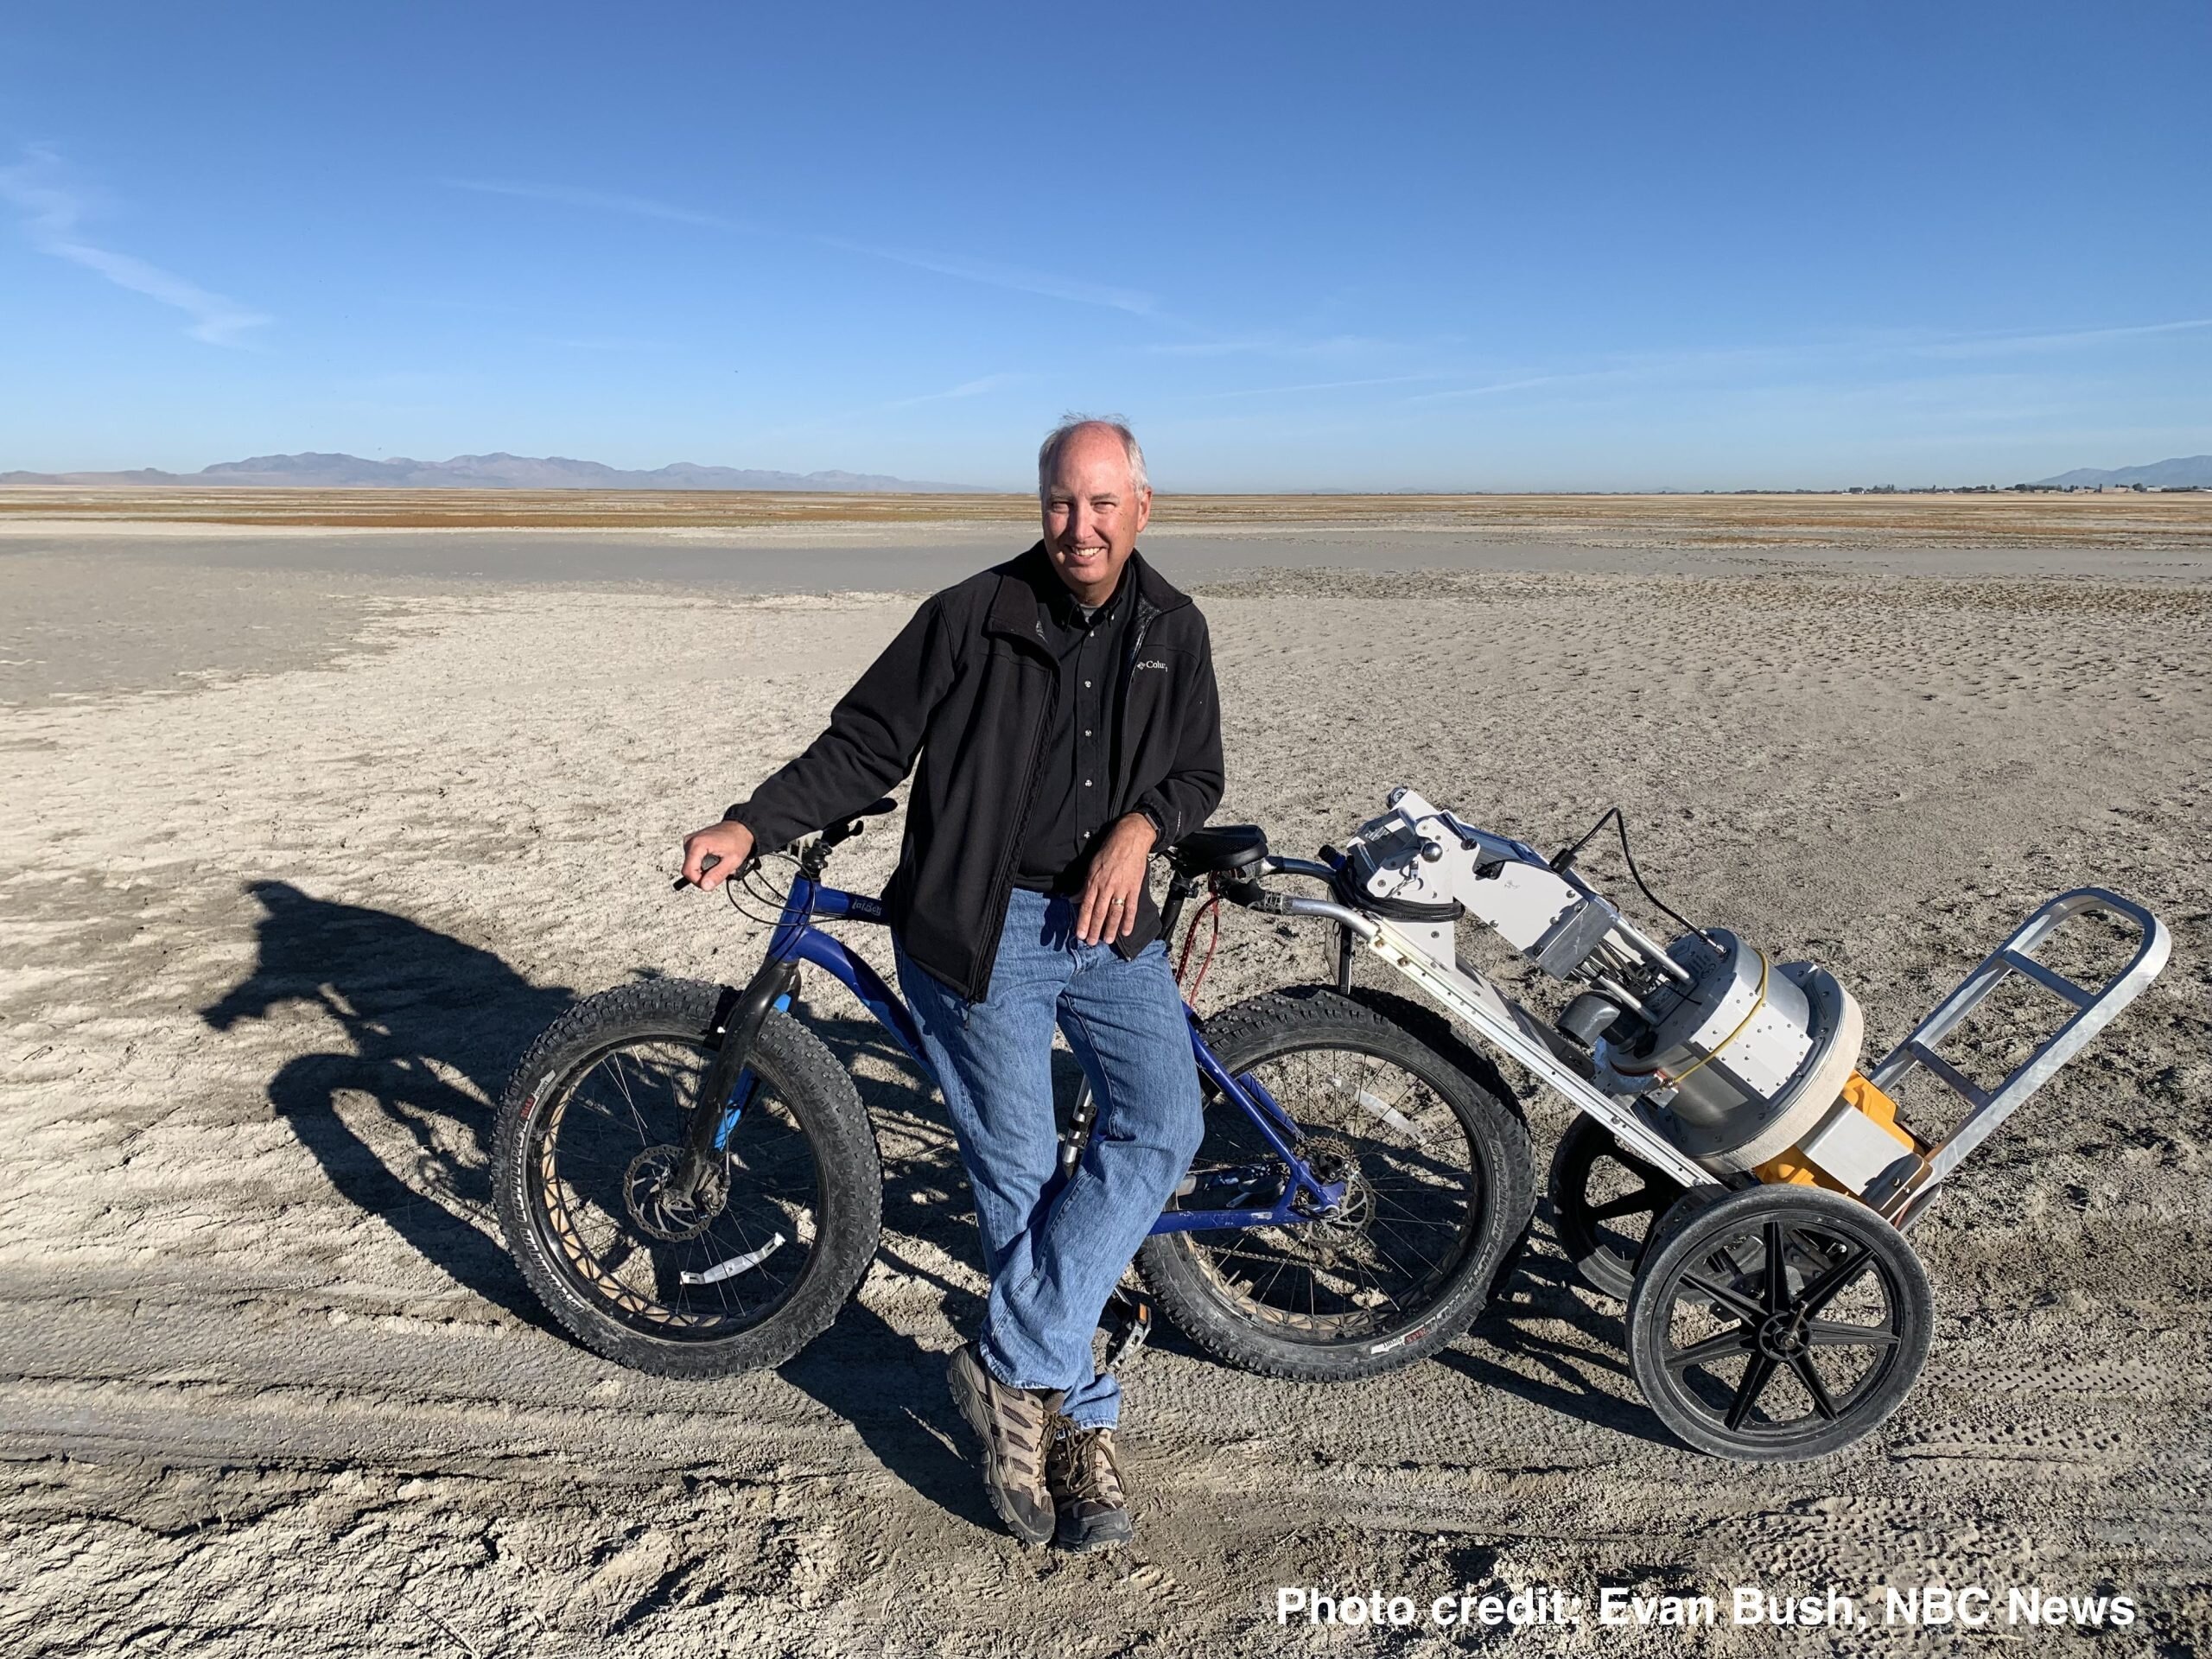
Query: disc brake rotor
[(1341, 1234), (649, 1194)]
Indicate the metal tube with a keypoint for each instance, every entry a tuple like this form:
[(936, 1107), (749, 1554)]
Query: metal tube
[(1621, 994), (1363, 925), (1651, 951)]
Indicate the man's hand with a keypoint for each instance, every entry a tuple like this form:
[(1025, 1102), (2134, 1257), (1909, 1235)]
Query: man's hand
[(1116, 882), (730, 842)]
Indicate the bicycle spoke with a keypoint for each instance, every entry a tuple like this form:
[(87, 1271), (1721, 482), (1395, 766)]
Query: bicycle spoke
[(1830, 1334), (1777, 1268), (1728, 1343), (1643, 1199), (1756, 1375), (1736, 1302), (628, 1099), (1398, 1212), (1395, 1234), (592, 1106), (1818, 1296), (1810, 1376)]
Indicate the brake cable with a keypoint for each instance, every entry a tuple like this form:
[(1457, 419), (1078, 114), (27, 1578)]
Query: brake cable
[(1212, 909)]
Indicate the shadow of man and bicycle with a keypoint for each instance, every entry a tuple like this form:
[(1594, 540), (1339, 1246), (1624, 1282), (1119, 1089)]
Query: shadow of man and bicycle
[(432, 1025)]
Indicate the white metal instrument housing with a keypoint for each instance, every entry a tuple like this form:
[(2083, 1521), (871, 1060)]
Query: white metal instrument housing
[(1730, 1059)]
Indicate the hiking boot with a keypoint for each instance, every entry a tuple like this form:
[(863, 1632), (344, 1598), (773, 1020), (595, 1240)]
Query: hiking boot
[(1086, 1485), (1014, 1425)]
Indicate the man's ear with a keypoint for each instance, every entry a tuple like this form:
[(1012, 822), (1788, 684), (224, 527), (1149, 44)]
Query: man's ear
[(1144, 509)]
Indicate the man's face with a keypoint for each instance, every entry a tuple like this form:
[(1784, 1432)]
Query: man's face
[(1093, 514)]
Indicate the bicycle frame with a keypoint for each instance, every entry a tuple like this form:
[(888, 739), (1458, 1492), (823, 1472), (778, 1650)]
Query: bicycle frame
[(796, 940)]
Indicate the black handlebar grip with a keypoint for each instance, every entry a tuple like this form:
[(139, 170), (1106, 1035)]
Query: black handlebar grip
[(708, 863)]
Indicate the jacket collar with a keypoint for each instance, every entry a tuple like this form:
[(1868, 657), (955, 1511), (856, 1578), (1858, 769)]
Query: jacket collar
[(1023, 579)]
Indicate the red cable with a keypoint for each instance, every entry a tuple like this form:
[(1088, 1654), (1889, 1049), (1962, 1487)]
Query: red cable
[(1210, 908)]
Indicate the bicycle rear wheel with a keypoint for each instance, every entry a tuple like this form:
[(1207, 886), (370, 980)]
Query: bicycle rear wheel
[(593, 1126), (1438, 1191)]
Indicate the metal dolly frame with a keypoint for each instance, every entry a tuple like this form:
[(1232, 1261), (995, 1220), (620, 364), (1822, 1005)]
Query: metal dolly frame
[(1987, 1109), (1473, 1000)]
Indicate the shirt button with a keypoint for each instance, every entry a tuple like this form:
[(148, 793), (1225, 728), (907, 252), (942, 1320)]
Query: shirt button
[(1086, 734), (1086, 685), (1086, 783)]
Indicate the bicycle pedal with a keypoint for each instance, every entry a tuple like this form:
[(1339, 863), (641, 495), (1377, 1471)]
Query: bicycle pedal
[(1131, 1317)]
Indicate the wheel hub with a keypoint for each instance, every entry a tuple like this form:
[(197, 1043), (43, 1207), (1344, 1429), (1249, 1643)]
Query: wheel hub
[(649, 1192), (1331, 1161), (1781, 1337)]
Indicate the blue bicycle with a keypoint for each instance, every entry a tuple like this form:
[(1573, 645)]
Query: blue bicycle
[(689, 1181)]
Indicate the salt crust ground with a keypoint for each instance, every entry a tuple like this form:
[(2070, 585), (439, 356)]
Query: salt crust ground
[(269, 1384)]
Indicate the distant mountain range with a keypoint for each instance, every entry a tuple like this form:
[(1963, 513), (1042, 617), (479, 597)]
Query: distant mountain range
[(496, 471), (2180, 473)]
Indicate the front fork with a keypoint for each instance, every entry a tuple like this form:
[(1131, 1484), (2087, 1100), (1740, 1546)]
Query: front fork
[(771, 987)]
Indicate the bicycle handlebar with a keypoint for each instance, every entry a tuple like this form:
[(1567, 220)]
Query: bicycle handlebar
[(712, 860)]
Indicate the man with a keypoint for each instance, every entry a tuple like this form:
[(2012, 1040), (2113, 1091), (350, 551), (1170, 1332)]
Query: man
[(1063, 709)]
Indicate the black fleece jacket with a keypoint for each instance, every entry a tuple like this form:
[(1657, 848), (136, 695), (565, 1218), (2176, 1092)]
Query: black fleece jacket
[(968, 686)]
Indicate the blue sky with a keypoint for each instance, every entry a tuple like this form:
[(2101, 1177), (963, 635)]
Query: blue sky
[(1478, 246)]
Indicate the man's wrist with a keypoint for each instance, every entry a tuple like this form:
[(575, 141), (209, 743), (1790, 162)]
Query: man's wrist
[(1155, 829)]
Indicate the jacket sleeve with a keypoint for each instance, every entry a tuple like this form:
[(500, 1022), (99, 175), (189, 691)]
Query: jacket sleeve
[(874, 733), (1185, 798)]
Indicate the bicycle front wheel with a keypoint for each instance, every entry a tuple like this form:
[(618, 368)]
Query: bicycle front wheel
[(1438, 1188), (736, 1275)]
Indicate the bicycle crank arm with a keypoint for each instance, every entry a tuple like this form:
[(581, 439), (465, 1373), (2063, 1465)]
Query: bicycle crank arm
[(775, 980)]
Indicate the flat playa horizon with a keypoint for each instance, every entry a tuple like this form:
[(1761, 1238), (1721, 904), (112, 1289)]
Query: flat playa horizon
[(2116, 518), (320, 807)]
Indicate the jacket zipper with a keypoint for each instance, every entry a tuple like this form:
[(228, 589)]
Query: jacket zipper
[(1144, 618), (1138, 623), (1003, 882)]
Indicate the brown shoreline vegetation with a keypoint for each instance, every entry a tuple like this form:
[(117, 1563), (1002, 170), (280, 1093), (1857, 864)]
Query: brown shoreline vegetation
[(2115, 519)]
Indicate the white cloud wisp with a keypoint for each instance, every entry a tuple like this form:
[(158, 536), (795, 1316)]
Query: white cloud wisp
[(987, 273), (52, 215)]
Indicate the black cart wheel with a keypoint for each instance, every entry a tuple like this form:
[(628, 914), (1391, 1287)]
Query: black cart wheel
[(1606, 1203), (1779, 1323)]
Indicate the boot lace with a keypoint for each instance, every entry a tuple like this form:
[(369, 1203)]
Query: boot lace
[(1082, 1465)]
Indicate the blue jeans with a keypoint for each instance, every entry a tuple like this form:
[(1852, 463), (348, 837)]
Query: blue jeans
[(1055, 1248)]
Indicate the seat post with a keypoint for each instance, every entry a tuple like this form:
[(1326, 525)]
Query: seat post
[(1178, 894)]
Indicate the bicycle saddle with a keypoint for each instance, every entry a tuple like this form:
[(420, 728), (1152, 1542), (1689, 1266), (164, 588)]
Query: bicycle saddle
[(1220, 850)]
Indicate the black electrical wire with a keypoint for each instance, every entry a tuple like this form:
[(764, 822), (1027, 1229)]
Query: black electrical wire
[(768, 896), (1564, 860)]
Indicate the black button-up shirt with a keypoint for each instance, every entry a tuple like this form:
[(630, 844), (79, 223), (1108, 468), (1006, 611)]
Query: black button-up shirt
[(1075, 760)]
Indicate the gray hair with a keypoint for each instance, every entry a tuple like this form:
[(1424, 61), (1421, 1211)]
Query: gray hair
[(1048, 453)]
